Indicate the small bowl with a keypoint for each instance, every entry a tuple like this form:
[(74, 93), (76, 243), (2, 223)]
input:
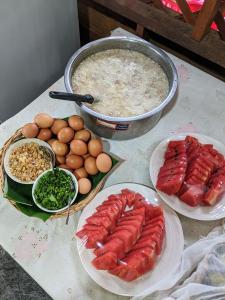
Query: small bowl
[(63, 208), (17, 145)]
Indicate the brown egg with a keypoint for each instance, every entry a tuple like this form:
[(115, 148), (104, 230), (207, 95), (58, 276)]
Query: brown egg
[(30, 130), (84, 186), (78, 147), (43, 120), (65, 135), (104, 162), (95, 147), (76, 122), (64, 166), (83, 135), (57, 125), (45, 134), (60, 148), (50, 142), (90, 165), (74, 161), (80, 173), (61, 160)]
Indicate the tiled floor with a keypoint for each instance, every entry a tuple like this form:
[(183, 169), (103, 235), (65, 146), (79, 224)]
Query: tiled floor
[(15, 283)]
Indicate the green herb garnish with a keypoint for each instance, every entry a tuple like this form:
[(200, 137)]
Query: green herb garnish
[(54, 191)]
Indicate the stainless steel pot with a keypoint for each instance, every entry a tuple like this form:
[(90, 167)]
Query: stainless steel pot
[(117, 127)]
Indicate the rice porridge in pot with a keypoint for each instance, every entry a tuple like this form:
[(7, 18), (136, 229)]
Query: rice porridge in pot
[(126, 82)]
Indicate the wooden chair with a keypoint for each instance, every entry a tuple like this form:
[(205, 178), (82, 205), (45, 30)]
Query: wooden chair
[(212, 11), (191, 31)]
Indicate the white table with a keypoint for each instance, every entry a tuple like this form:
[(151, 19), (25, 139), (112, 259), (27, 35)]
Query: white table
[(47, 251)]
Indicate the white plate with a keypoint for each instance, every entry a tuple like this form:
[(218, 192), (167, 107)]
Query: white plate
[(202, 213), (166, 264), (19, 144)]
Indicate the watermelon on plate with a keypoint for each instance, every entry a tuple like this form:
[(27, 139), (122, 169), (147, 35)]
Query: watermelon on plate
[(107, 261), (135, 264), (171, 174)]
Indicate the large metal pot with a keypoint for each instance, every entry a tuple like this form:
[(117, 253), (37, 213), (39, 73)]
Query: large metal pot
[(117, 127)]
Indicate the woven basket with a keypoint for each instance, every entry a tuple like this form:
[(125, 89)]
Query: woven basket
[(75, 207)]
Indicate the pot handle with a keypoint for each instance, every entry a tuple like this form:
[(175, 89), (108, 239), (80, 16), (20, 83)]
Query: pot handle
[(71, 97)]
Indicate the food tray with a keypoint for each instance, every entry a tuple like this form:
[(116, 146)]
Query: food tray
[(77, 206)]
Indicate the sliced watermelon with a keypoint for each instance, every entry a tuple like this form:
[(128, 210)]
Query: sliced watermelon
[(114, 204), (127, 237), (151, 211), (218, 157), (193, 146), (218, 171), (135, 264), (194, 195), (130, 196), (151, 228), (192, 155), (144, 243), (104, 221), (84, 233), (136, 230), (175, 144), (160, 225), (195, 180), (158, 239), (111, 206), (120, 201), (94, 240), (106, 261), (139, 197), (134, 222), (156, 220), (113, 197), (139, 218), (115, 245), (174, 163), (146, 256), (200, 165), (216, 189), (150, 231), (206, 162), (170, 184), (202, 177), (198, 170), (90, 228), (107, 213), (172, 171), (91, 238), (170, 153), (175, 148), (123, 200)]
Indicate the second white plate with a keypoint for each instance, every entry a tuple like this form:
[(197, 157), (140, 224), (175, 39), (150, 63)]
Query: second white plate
[(202, 213), (167, 262)]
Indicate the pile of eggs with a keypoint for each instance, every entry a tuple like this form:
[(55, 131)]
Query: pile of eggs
[(73, 145)]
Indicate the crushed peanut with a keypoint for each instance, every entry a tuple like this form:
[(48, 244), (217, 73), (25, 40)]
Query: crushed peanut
[(28, 161)]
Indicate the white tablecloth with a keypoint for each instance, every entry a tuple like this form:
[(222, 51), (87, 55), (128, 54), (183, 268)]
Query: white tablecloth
[(47, 251)]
